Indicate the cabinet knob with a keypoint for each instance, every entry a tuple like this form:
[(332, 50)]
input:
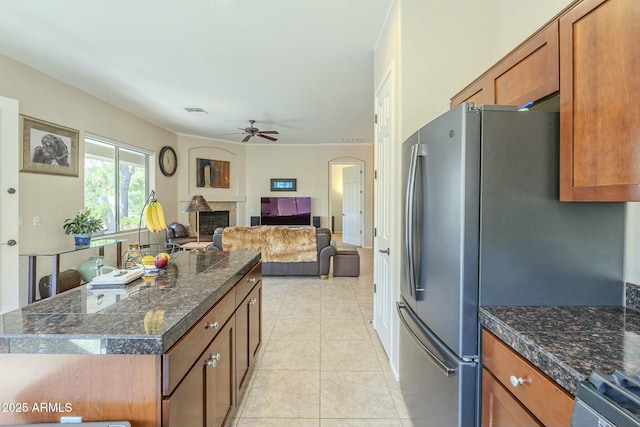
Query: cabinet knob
[(212, 361), (516, 381), (252, 280), (213, 325), (253, 301)]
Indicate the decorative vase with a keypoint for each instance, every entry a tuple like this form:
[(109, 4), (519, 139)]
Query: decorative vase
[(132, 258), (82, 239), (88, 268)]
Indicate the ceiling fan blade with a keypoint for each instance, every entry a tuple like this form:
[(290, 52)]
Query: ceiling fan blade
[(273, 132), (246, 138), (267, 137)]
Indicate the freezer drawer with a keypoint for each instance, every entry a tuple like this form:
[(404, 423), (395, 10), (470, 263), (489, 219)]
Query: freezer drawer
[(439, 389)]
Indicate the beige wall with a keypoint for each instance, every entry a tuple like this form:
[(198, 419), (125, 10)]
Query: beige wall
[(444, 45), (253, 165), (55, 198), (191, 148), (310, 166)]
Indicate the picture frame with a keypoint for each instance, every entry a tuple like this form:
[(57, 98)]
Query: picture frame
[(48, 148), (212, 173), (284, 184)]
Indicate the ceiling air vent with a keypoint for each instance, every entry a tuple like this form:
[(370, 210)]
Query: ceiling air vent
[(353, 140), (195, 110)]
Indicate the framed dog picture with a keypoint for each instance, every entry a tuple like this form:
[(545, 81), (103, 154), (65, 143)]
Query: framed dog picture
[(48, 148)]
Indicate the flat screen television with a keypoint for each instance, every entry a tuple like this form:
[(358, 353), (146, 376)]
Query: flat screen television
[(285, 210)]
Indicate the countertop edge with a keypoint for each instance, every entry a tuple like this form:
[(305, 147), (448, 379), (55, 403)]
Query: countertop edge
[(565, 376)]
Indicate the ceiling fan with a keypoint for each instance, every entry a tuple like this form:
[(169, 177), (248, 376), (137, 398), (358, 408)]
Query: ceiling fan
[(252, 131)]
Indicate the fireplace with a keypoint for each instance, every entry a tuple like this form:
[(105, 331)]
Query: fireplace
[(209, 221)]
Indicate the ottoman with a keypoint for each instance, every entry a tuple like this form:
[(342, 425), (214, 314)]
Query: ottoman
[(346, 263)]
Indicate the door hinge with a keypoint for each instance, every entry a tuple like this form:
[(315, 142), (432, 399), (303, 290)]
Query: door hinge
[(374, 288), (375, 118), (375, 232), (375, 174)]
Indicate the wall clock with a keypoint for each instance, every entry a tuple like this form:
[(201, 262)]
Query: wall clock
[(168, 161)]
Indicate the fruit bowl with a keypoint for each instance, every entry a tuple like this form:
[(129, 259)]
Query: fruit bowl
[(156, 257)]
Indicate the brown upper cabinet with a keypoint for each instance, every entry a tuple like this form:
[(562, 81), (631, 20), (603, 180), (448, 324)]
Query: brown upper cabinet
[(529, 73), (599, 108), (589, 52)]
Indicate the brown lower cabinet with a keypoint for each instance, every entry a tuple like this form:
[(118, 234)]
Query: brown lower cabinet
[(205, 396), (500, 408), (516, 393), (249, 333)]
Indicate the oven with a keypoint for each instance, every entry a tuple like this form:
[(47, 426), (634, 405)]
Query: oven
[(607, 401)]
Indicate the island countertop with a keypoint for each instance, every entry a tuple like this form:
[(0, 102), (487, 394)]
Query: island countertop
[(111, 321)]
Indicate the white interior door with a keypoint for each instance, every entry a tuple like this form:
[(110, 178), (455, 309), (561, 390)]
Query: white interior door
[(9, 247), (383, 300), (351, 205)]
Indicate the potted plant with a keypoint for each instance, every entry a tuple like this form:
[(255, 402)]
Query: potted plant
[(82, 226)]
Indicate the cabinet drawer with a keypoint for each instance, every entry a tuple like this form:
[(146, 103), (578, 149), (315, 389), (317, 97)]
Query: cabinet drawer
[(177, 361), (247, 283), (549, 402)]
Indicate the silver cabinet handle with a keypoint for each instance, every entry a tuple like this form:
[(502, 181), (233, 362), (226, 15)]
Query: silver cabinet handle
[(212, 361), (516, 381), (253, 301), (386, 251), (252, 280), (213, 325)]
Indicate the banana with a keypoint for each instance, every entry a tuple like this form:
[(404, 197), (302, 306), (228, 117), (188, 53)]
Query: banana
[(149, 218), (154, 216), (162, 223)]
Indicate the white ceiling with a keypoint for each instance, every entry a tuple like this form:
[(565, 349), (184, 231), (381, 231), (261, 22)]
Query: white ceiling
[(301, 67)]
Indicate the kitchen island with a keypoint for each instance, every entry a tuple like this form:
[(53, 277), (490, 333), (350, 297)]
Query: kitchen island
[(137, 353)]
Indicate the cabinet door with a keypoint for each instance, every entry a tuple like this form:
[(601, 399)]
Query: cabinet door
[(531, 72), (248, 333), (479, 92), (599, 109), (501, 409), (186, 406), (205, 396), (255, 321), (220, 377)]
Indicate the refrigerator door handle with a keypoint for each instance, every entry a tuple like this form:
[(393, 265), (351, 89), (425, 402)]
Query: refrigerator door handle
[(440, 364), (409, 220)]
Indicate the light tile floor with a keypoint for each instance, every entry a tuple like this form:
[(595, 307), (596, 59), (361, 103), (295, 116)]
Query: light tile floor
[(321, 362)]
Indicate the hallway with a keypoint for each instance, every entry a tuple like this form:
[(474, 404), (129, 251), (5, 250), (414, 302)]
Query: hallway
[(321, 364)]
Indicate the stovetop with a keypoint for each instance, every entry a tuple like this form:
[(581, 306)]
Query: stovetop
[(612, 400)]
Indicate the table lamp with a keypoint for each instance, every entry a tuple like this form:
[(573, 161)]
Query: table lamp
[(197, 204)]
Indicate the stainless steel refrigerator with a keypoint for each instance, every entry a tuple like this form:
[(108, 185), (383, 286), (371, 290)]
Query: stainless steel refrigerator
[(483, 226)]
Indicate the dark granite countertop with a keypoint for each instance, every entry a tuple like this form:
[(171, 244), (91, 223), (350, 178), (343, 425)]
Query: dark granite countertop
[(567, 343), (92, 321)]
